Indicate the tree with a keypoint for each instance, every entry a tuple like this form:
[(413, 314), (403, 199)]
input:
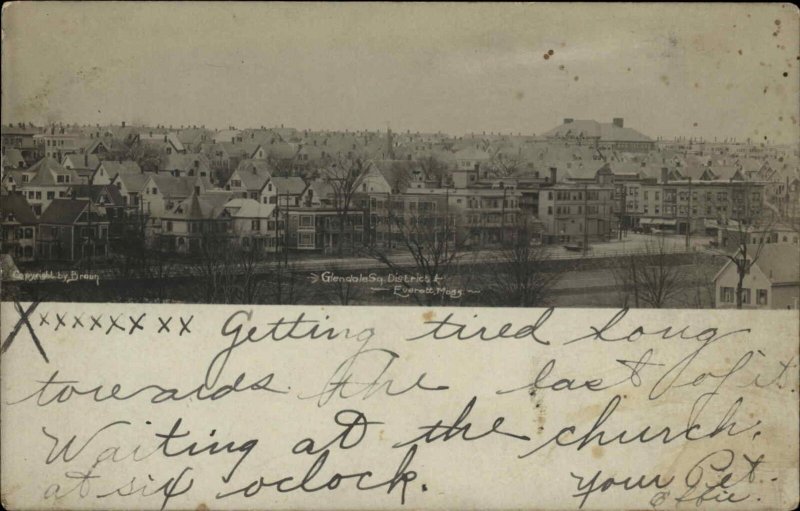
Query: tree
[(344, 178), (653, 276), (751, 236), (435, 169), (429, 240), (524, 274), (147, 156), (504, 164)]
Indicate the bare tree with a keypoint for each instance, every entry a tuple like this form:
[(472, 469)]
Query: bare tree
[(653, 276), (504, 164), (435, 170), (750, 238), (344, 178), (429, 238), (524, 274), (147, 156)]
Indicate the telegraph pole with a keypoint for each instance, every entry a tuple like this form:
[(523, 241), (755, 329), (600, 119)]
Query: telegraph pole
[(503, 219), (585, 219), (689, 216)]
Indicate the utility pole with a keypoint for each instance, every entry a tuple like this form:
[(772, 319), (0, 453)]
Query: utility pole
[(622, 200), (503, 219), (689, 216), (585, 219), (286, 234)]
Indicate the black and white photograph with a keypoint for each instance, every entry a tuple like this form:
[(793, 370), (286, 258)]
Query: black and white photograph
[(377, 256), (399, 154)]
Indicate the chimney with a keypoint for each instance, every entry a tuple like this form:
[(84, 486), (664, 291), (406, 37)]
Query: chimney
[(568, 120), (664, 172), (619, 122), (553, 174), (86, 160), (123, 124)]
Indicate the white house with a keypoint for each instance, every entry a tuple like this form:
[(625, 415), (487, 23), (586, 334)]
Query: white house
[(772, 282)]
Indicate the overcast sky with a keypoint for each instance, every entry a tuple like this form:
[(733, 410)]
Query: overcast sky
[(710, 71)]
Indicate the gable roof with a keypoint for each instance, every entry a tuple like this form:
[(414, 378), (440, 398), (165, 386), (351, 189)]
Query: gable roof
[(64, 211), (94, 192), (185, 162), (15, 204), (254, 174), (13, 158), (249, 208), (113, 168), (780, 263), (203, 206), (46, 171), (289, 185), (134, 183), (82, 161)]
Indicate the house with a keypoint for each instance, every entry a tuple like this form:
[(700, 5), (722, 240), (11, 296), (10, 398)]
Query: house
[(319, 193), (772, 282), (107, 171), (19, 226), (256, 225), (197, 222), (44, 181), (72, 230), (319, 229), (20, 138), (288, 190), (180, 165), (57, 142), (83, 164), (131, 188), (162, 192), (249, 180), (13, 159), (572, 212), (166, 143)]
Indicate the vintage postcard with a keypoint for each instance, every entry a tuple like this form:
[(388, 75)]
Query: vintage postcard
[(408, 255)]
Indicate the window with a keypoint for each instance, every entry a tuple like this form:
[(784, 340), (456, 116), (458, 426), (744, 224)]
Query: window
[(305, 240), (168, 226), (51, 195), (255, 225), (726, 294), (761, 297), (745, 296), (306, 221)]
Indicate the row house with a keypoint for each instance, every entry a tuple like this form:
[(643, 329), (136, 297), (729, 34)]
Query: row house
[(572, 212), (686, 205), (324, 229), (19, 226), (72, 230)]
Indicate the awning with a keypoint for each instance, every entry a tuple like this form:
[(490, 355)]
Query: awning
[(657, 221)]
